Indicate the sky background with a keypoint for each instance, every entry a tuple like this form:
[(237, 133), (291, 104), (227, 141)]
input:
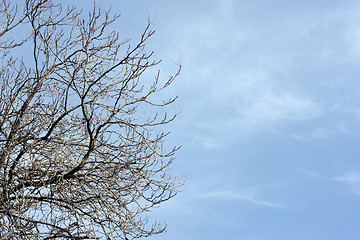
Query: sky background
[(270, 115)]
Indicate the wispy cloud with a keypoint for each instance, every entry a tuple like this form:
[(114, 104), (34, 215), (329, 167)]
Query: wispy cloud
[(338, 119), (310, 174), (226, 7), (247, 195), (244, 78), (249, 81), (352, 180), (350, 16), (272, 107)]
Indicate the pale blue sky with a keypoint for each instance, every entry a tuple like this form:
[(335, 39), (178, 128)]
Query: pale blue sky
[(270, 101)]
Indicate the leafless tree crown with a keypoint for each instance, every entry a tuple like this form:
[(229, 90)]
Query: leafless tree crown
[(81, 156)]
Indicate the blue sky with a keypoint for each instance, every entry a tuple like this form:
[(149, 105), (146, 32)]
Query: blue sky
[(270, 101)]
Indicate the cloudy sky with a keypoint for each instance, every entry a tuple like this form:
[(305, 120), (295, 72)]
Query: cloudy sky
[(270, 122)]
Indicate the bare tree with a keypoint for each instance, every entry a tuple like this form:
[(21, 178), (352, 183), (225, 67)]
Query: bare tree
[(81, 153)]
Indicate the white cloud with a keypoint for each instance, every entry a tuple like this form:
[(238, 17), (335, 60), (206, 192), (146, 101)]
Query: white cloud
[(350, 17), (254, 71), (352, 180), (253, 85), (206, 141), (248, 195), (275, 107), (227, 7), (259, 101), (310, 174)]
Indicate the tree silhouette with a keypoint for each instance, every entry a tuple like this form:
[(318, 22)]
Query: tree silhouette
[(81, 152)]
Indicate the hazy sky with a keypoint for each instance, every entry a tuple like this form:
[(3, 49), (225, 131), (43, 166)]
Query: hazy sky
[(270, 101)]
